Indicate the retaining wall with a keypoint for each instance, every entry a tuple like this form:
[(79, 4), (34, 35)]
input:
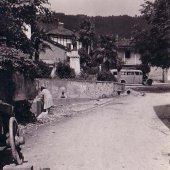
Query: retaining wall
[(80, 89)]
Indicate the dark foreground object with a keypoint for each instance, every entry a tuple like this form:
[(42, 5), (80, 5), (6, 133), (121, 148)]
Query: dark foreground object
[(19, 167), (22, 167), (9, 133)]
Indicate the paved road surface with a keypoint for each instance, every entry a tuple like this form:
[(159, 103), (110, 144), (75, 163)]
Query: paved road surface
[(125, 134)]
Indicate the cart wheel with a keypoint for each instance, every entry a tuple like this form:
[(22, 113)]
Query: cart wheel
[(13, 136)]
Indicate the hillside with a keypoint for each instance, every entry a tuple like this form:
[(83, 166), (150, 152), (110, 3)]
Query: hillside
[(116, 25)]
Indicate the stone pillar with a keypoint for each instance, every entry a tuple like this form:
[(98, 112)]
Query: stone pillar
[(74, 61)]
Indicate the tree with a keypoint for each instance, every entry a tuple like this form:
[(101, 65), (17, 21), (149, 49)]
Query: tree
[(87, 35), (14, 14), (11, 26), (106, 53), (84, 57), (154, 43)]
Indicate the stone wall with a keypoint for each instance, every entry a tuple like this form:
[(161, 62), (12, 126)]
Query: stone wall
[(157, 74), (80, 89), (16, 88)]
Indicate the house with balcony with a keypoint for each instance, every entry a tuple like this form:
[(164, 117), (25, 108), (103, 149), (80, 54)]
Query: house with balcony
[(64, 37), (64, 47)]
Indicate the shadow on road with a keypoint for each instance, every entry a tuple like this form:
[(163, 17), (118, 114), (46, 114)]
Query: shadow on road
[(163, 112)]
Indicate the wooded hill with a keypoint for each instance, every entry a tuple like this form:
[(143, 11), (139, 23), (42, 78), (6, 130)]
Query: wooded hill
[(115, 25)]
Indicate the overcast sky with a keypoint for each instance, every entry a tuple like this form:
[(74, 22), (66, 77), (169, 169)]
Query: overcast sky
[(97, 7)]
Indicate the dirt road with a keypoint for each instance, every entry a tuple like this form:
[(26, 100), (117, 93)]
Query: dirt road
[(126, 134)]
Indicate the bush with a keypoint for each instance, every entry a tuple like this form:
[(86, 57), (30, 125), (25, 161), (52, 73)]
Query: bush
[(91, 70), (64, 71), (105, 76), (13, 60), (43, 70)]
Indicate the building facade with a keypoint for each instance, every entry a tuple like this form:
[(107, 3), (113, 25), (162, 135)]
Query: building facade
[(131, 59), (127, 53), (64, 37), (64, 48)]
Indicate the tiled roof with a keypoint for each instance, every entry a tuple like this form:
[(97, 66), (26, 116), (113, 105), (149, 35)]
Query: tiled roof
[(125, 42), (61, 31)]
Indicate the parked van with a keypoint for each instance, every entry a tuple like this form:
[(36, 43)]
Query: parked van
[(130, 76)]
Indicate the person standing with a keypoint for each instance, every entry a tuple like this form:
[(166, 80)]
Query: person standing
[(47, 99)]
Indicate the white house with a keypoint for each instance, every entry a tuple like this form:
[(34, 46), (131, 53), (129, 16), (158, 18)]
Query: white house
[(127, 53), (64, 37), (131, 59), (64, 47)]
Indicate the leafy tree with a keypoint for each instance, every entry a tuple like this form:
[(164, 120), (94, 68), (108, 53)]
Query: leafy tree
[(14, 14), (84, 57), (153, 43), (87, 35), (11, 26), (106, 53)]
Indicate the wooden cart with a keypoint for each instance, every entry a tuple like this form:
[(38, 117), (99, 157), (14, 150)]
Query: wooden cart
[(9, 131)]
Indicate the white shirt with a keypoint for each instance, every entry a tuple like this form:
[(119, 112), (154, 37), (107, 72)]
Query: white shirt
[(48, 100)]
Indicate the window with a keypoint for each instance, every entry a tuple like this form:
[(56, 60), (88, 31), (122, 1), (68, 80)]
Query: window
[(123, 73), (127, 53), (69, 46), (130, 73)]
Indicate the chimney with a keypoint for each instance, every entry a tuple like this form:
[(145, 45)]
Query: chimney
[(117, 40), (60, 25)]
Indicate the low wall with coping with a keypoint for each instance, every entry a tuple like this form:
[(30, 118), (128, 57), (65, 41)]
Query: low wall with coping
[(80, 89)]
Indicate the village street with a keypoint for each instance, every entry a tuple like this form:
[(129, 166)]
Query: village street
[(124, 134)]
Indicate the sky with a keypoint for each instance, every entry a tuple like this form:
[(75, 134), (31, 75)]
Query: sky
[(97, 7)]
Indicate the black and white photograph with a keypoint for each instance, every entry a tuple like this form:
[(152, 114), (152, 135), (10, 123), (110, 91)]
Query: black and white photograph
[(84, 84)]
